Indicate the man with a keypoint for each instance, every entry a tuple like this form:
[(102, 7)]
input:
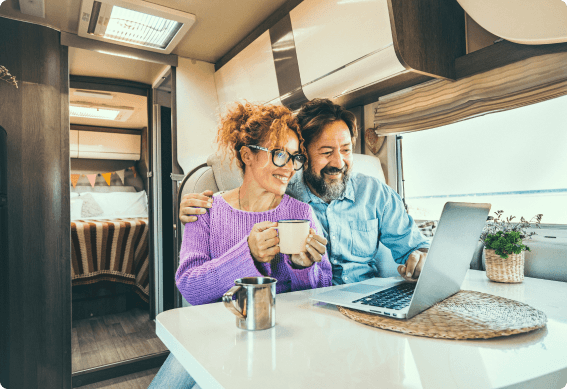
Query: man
[(356, 212)]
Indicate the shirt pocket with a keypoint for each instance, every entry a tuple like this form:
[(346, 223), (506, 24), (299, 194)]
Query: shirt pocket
[(364, 241)]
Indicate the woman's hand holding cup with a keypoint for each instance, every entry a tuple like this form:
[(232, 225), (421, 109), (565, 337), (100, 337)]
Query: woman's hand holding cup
[(263, 241), (315, 246)]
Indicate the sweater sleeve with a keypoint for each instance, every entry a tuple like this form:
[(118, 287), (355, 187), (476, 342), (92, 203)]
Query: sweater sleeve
[(202, 279), (317, 275)]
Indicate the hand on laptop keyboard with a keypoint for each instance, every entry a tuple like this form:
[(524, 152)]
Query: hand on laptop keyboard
[(412, 269)]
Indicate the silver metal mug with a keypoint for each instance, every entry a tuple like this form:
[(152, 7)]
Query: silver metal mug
[(254, 304)]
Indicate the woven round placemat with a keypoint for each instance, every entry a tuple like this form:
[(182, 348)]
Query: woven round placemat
[(465, 315)]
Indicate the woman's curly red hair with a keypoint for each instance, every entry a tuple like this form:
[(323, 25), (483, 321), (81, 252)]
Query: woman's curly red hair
[(254, 124)]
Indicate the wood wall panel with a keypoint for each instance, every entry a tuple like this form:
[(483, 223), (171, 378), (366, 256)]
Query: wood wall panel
[(36, 119), (501, 54), (428, 35), (10, 113)]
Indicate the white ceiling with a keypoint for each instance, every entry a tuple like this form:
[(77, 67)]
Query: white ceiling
[(94, 64), (220, 24)]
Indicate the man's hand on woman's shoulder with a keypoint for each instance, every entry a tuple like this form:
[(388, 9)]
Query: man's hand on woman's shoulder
[(194, 204)]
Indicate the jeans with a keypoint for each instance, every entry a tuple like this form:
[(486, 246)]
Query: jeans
[(172, 375)]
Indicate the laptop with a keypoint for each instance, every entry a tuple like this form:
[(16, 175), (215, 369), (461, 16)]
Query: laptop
[(442, 274)]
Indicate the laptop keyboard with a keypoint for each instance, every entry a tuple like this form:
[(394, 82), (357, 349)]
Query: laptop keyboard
[(397, 297)]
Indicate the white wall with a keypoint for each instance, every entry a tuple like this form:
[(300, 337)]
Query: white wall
[(197, 112)]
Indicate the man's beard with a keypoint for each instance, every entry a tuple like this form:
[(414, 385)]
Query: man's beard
[(327, 191)]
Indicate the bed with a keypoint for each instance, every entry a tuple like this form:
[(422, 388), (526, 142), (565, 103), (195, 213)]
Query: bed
[(110, 238)]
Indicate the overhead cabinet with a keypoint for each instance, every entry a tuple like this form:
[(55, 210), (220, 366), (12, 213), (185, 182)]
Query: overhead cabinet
[(342, 45), (250, 75), (350, 51), (105, 145)]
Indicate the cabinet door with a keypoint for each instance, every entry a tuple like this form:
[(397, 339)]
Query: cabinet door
[(330, 34), (250, 75), (103, 145)]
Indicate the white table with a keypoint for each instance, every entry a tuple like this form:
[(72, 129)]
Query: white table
[(315, 346)]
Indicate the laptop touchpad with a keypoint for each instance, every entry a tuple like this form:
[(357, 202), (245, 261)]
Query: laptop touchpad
[(360, 289)]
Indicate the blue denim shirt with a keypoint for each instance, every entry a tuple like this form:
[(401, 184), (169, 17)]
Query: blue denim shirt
[(369, 213)]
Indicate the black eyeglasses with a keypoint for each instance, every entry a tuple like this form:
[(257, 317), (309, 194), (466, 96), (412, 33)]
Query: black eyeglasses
[(281, 157)]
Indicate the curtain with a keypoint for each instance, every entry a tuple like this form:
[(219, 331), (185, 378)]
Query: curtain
[(442, 102)]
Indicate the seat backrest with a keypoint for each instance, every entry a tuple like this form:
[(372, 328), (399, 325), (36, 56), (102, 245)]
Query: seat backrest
[(221, 174)]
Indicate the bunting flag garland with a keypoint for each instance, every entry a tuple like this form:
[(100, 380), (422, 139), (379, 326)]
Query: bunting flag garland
[(121, 175), (92, 178), (106, 177), (75, 179)]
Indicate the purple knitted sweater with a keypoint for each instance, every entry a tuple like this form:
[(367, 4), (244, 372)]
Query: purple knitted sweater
[(215, 252)]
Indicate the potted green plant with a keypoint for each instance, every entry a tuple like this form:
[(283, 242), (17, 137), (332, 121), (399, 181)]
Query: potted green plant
[(504, 246)]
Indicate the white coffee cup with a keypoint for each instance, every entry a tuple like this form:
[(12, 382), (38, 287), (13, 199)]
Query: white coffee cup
[(293, 234)]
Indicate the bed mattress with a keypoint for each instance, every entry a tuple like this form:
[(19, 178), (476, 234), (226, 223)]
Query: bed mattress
[(111, 250)]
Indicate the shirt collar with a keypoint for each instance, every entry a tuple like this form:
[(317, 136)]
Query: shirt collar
[(349, 192), (302, 191)]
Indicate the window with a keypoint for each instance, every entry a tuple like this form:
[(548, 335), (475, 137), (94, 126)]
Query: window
[(516, 160)]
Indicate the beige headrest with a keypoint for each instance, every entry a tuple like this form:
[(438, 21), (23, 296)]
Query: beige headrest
[(227, 173), (368, 165)]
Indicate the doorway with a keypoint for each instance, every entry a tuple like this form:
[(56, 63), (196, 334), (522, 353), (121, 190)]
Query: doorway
[(113, 236)]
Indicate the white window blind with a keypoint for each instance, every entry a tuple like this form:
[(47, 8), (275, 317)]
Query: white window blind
[(516, 160)]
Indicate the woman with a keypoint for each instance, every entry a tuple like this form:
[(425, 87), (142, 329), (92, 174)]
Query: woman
[(234, 238)]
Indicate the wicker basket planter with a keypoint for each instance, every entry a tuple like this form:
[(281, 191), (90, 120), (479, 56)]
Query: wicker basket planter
[(509, 270)]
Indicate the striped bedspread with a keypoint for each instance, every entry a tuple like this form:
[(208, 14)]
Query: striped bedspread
[(111, 250)]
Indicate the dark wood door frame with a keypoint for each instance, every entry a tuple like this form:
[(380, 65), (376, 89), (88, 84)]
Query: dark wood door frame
[(169, 172)]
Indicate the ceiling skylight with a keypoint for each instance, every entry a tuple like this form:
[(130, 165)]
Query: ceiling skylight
[(134, 23), (137, 28), (103, 113)]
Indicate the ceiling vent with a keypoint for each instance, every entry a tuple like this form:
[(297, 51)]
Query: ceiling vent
[(102, 112), (135, 24), (96, 95)]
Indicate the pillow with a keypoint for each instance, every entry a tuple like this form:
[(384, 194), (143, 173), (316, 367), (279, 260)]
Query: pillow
[(76, 206), (122, 204), (90, 206)]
